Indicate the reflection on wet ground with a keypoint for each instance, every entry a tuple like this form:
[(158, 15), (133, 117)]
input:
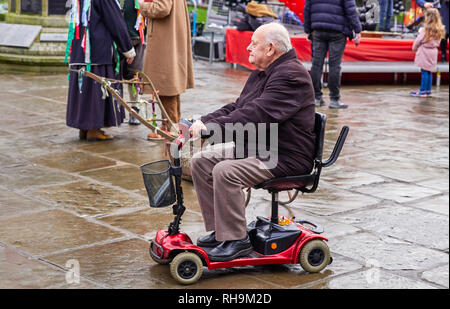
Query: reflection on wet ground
[(63, 202)]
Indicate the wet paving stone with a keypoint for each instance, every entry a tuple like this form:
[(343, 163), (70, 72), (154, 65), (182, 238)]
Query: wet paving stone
[(373, 279), (48, 231), (89, 199), (6, 161), (437, 183), (438, 275), (230, 279), (26, 176), (128, 177), (119, 145), (122, 264), (12, 204), (43, 106), (439, 204), (26, 148), (293, 275), (407, 170), (384, 251), (397, 191), (54, 133), (396, 221), (141, 155), (74, 161), (13, 118), (350, 178), (21, 272)]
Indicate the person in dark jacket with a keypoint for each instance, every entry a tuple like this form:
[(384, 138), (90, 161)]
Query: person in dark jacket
[(137, 31), (329, 23), (96, 35), (444, 16), (277, 102)]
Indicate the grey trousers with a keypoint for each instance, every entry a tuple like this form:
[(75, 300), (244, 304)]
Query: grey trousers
[(219, 180)]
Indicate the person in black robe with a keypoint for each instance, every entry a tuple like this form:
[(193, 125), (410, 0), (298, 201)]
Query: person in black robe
[(95, 47)]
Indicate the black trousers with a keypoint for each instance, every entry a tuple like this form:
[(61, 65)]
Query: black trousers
[(322, 43)]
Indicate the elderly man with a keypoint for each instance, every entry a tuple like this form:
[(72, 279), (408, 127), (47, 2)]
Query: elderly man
[(278, 96)]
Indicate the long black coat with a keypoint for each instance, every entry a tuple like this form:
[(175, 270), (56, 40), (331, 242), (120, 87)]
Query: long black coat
[(86, 109)]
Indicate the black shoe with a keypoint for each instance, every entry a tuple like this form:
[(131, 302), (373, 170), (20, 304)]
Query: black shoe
[(230, 250), (208, 241)]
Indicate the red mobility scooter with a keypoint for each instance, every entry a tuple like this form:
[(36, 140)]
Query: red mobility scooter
[(275, 240)]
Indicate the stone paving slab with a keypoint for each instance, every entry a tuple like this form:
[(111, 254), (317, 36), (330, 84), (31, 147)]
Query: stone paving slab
[(74, 161), (396, 221), (397, 191), (406, 170), (21, 272), (128, 177), (372, 279), (12, 203), (122, 264), (366, 247), (438, 204), (53, 230), (88, 198), (438, 275), (25, 176)]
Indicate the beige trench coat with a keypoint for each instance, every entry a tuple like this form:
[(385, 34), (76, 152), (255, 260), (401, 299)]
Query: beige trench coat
[(168, 57)]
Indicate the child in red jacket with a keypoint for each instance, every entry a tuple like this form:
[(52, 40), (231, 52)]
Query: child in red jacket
[(426, 47)]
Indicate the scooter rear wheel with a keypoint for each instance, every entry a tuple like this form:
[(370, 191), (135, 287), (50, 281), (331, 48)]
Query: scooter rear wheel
[(314, 256), (186, 268)]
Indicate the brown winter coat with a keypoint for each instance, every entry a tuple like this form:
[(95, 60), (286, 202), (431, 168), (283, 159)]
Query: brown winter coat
[(168, 57)]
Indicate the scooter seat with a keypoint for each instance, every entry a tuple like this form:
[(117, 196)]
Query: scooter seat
[(287, 183)]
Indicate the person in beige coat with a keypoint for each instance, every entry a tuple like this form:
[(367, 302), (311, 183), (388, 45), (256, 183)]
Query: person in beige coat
[(168, 57)]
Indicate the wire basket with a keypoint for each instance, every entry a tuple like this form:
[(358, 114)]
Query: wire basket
[(159, 183)]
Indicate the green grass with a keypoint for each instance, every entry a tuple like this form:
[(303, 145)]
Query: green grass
[(201, 13)]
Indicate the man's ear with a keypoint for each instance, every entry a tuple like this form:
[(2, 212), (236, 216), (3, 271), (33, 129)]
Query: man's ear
[(271, 50)]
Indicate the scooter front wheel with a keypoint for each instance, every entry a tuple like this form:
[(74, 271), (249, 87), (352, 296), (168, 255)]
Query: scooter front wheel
[(314, 256), (186, 268)]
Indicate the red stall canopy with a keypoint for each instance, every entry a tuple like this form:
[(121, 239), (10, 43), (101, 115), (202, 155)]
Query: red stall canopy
[(295, 6), (370, 49)]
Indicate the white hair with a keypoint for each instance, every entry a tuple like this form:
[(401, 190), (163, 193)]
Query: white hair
[(278, 35)]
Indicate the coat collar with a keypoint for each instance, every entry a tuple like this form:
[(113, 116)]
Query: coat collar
[(283, 58)]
